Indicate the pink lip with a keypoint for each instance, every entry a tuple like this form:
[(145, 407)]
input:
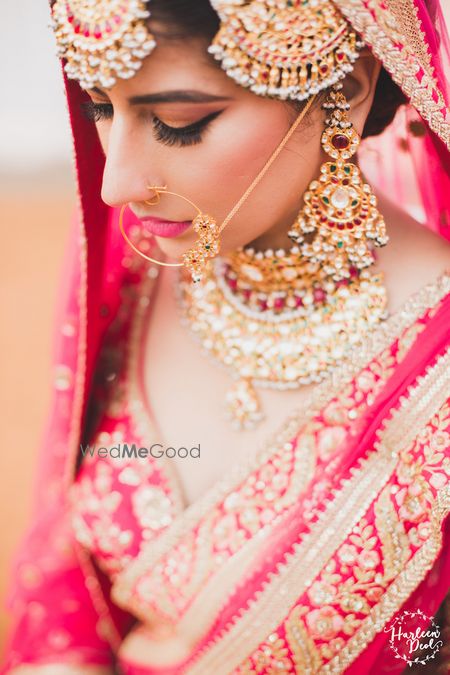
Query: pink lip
[(165, 228)]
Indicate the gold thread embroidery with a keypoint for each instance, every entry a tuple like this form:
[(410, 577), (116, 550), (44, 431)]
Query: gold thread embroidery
[(408, 579), (270, 659), (424, 95), (306, 656), (409, 28), (394, 541), (266, 612), (391, 329)]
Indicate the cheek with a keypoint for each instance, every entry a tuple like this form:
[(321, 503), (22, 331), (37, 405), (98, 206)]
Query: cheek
[(232, 156), (241, 147)]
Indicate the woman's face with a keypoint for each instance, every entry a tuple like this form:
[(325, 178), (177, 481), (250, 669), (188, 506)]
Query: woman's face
[(181, 122)]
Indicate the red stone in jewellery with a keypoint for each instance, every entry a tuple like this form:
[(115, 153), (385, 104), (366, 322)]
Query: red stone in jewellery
[(102, 39), (277, 321), (271, 283), (284, 48), (340, 209)]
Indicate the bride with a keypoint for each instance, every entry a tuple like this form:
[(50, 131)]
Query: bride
[(237, 285)]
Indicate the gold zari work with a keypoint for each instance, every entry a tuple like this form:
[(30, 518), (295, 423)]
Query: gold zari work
[(393, 31), (341, 577)]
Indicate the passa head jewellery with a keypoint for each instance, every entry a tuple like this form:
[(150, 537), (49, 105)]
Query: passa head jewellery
[(339, 207), (290, 49), (282, 48), (102, 40), (197, 258)]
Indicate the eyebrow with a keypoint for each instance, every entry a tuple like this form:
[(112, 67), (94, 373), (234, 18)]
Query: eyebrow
[(176, 96)]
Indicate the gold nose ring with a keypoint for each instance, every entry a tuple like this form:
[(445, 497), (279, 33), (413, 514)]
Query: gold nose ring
[(207, 245), (156, 198)]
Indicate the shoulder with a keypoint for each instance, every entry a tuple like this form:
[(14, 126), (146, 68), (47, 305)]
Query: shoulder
[(414, 256)]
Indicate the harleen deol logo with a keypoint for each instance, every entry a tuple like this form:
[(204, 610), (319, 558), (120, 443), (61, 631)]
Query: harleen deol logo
[(414, 637)]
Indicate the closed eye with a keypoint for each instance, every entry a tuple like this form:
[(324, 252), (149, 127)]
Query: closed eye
[(187, 135), (190, 134)]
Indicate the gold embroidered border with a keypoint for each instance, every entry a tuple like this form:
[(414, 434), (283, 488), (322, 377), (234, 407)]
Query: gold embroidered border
[(402, 70), (411, 310), (201, 613), (406, 16), (268, 610), (406, 582)]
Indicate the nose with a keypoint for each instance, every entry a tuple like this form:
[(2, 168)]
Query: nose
[(128, 172)]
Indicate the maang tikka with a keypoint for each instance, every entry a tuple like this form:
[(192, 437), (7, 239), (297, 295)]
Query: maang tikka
[(340, 209)]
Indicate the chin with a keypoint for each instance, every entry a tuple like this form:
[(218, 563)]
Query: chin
[(174, 247)]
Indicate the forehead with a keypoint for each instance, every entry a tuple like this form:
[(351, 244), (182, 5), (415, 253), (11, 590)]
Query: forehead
[(179, 64)]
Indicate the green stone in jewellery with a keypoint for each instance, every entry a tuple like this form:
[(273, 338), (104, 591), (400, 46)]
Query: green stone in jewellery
[(289, 49), (102, 40)]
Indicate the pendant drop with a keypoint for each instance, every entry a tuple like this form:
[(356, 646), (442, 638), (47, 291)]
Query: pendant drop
[(243, 406)]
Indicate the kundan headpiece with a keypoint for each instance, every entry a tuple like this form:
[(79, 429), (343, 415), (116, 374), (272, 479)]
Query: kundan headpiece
[(102, 39), (283, 48)]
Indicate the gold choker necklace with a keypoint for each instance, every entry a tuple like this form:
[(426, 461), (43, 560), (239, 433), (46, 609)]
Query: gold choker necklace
[(275, 320)]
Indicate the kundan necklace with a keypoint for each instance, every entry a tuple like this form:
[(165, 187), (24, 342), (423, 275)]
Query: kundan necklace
[(275, 319)]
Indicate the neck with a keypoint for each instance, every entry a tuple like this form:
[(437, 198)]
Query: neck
[(272, 239)]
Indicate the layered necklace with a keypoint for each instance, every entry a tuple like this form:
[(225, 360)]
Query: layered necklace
[(275, 319)]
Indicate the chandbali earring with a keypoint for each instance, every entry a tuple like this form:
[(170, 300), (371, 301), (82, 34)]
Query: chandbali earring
[(339, 207), (207, 245)]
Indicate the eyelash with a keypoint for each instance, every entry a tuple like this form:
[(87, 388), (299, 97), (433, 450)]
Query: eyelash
[(182, 136)]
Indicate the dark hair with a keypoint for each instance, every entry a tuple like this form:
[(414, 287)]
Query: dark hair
[(197, 18)]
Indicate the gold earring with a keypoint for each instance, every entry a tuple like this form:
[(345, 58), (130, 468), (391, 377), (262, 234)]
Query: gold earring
[(339, 207), (207, 245)]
